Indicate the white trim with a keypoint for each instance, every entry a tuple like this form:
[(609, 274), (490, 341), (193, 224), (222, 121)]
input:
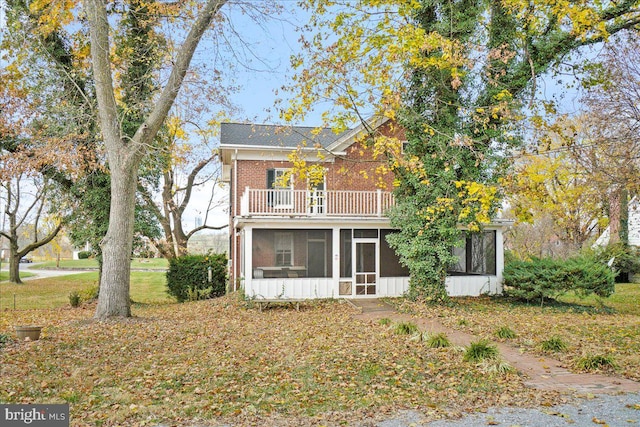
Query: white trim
[(345, 141), (260, 152)]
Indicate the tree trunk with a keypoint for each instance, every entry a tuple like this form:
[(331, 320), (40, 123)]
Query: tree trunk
[(14, 255), (14, 268), (614, 217), (114, 300), (623, 231), (125, 154)]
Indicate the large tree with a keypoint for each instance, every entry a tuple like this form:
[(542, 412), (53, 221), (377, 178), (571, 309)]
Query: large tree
[(455, 74), (125, 153)]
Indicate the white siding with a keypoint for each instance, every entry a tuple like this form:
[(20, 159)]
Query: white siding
[(473, 285), (634, 226), (310, 288), (299, 288), (392, 286)]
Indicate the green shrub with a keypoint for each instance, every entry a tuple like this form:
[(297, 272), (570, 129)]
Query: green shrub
[(553, 345), (4, 339), (90, 293), (406, 328), (546, 278), (592, 362), (439, 340), (84, 254), (74, 299), (480, 350), (188, 276), (506, 332)]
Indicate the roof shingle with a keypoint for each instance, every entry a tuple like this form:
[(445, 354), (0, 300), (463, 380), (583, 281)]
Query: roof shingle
[(274, 135)]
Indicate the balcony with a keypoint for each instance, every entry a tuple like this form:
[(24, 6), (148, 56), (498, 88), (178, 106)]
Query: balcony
[(314, 203)]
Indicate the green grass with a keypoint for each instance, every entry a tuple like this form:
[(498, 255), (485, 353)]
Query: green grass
[(405, 328), (625, 300), (438, 341), (136, 263), (4, 275), (505, 332), (480, 350), (593, 362), (149, 287), (553, 345), (52, 292)]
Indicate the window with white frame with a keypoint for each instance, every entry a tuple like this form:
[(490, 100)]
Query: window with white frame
[(280, 182), (476, 255), (283, 246)]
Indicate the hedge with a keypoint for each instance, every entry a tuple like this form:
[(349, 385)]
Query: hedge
[(188, 277), (546, 278)]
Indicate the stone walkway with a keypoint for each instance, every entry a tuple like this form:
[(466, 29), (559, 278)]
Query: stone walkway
[(542, 372)]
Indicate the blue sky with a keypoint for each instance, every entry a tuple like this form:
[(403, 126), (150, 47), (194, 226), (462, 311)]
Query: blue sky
[(266, 63)]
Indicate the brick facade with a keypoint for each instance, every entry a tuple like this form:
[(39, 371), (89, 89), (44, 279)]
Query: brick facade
[(357, 171)]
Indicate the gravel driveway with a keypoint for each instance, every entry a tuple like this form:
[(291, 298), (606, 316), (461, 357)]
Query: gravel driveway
[(613, 411)]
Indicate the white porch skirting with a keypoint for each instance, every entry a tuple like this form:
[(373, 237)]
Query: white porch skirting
[(311, 288), (473, 286)]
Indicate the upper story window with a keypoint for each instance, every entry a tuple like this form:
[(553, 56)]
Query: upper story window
[(404, 145), (281, 181)]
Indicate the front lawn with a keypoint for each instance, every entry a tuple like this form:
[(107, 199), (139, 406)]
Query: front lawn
[(136, 263), (219, 361), (53, 292), (589, 326), (4, 275)]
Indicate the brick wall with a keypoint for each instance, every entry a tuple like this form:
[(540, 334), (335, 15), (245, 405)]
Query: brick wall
[(356, 171)]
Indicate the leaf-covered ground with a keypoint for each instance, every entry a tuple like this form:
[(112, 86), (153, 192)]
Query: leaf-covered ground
[(610, 327), (219, 361)]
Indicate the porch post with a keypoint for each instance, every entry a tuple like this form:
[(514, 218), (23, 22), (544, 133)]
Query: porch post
[(335, 273), (379, 202), (499, 259), (248, 261), (244, 202)]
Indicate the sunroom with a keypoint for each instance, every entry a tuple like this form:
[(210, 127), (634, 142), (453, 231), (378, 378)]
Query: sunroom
[(344, 261)]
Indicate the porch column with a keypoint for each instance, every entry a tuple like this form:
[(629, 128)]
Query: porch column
[(335, 271), (247, 252), (499, 259)]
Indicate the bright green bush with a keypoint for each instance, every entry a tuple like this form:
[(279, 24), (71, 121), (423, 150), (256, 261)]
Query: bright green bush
[(188, 277), (84, 254), (506, 332), (480, 350), (439, 340), (74, 299), (593, 362), (546, 278), (554, 344), (406, 328)]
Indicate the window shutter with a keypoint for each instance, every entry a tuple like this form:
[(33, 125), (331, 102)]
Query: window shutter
[(271, 178)]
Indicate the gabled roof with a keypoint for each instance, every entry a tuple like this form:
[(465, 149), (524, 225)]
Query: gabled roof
[(278, 140), (276, 136)]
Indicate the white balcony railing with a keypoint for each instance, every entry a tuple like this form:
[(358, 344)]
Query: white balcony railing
[(284, 202)]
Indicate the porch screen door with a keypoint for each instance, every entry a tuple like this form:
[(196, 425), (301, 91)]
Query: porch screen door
[(366, 266)]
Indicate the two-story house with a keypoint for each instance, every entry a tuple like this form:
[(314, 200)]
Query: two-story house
[(289, 239)]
